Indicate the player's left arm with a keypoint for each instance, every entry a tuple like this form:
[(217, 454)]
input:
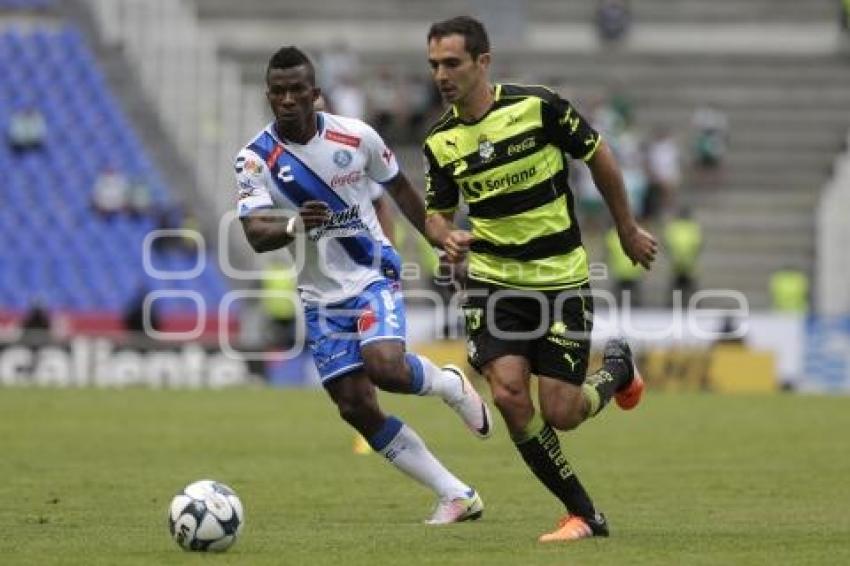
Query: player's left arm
[(383, 210), (639, 245), (408, 200), (383, 168), (570, 131), (437, 227)]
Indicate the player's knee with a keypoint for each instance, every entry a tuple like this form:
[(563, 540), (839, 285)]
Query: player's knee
[(510, 399), (562, 418)]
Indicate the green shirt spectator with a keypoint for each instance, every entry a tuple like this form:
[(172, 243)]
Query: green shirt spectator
[(683, 237), (621, 266), (789, 291)]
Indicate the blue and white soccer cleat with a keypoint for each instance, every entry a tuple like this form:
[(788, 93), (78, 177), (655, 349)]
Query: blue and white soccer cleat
[(468, 508), (469, 405)]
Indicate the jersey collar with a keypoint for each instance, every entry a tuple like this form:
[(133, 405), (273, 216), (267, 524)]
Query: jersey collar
[(320, 129), (497, 94)]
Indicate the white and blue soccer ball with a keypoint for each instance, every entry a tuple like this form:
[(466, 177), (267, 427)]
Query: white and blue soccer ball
[(206, 516)]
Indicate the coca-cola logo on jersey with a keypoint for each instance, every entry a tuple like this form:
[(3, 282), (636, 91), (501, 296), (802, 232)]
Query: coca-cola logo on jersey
[(342, 179)]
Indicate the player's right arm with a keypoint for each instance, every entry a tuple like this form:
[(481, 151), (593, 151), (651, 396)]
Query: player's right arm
[(454, 241), (266, 227), (441, 200), (269, 229)]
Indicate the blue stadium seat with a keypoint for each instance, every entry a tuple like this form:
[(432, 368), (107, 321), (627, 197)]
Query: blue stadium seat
[(52, 243), (26, 4)]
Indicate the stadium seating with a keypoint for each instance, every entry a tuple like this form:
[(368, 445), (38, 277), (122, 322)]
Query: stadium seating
[(552, 11), (773, 66), (53, 246)]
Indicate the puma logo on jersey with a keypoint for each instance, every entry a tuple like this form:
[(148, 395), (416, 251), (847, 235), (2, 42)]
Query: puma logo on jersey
[(567, 119)]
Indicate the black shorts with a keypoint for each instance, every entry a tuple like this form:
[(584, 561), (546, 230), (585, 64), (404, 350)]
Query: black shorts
[(551, 329)]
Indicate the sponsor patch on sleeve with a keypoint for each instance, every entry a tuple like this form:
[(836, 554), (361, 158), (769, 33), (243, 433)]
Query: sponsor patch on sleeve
[(345, 139), (252, 166)]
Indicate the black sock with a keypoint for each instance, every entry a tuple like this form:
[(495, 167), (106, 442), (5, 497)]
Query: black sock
[(599, 387), (541, 450)]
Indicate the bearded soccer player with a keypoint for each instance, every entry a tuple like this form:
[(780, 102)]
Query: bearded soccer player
[(503, 149), (306, 177)]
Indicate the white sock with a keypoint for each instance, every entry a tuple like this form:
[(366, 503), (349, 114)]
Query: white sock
[(407, 452), (432, 380)]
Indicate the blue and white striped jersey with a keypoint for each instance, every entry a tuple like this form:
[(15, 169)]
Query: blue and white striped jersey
[(339, 166)]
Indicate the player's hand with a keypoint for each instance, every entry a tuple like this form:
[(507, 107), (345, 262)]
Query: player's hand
[(314, 213), (639, 245), (456, 245)]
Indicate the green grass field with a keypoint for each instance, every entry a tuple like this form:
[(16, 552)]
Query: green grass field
[(685, 479)]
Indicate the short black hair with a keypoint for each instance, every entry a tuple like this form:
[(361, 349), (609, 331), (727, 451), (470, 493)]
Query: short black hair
[(473, 32), (288, 57)]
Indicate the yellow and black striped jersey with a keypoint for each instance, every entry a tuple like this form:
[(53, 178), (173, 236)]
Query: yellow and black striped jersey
[(511, 169)]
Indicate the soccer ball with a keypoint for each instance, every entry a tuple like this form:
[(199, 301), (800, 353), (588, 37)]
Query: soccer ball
[(206, 515)]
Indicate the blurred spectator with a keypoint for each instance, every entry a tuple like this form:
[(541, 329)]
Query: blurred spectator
[(621, 103), (280, 301), (110, 192), (348, 99), (27, 130), (605, 117), (627, 148), (335, 64), (665, 173), (382, 95), (626, 275), (139, 198), (613, 20), (36, 318), (590, 202), (613, 119), (683, 241), (418, 93), (789, 291), (191, 229), (168, 216), (711, 138), (730, 332), (612, 116), (845, 15), (134, 312)]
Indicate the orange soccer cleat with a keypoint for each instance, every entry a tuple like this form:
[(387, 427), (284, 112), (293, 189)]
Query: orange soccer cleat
[(629, 396), (573, 527)]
